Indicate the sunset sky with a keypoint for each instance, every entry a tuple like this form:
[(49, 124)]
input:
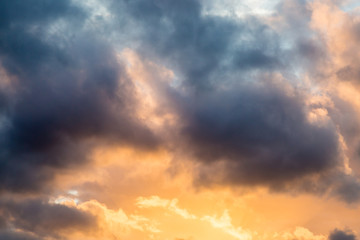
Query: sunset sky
[(179, 119)]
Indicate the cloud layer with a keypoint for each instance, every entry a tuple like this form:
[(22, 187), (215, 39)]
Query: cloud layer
[(243, 100)]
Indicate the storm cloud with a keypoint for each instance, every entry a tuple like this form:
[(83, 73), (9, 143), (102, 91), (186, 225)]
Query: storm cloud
[(67, 92), (252, 102), (37, 219), (261, 134), (73, 91), (8, 235), (244, 114)]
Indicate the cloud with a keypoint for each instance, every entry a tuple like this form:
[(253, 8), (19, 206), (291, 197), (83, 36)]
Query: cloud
[(70, 94), (301, 233), (22, 25), (171, 205), (203, 50), (261, 134), (13, 235), (232, 94), (245, 116), (117, 222), (243, 99), (240, 108), (223, 223), (42, 219), (342, 235)]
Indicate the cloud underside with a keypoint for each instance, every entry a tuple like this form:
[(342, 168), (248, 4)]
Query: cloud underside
[(246, 101)]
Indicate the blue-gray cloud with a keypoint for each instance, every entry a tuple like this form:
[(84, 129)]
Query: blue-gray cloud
[(71, 92), (342, 235)]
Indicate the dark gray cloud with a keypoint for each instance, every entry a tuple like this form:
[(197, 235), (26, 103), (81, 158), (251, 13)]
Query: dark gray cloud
[(70, 92), (204, 50), (241, 133), (342, 235), (242, 126), (75, 90), (348, 188), (242, 117), (41, 219), (260, 134), (13, 235), (22, 26)]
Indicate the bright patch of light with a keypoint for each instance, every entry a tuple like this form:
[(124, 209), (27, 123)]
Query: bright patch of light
[(73, 192), (239, 8), (68, 200)]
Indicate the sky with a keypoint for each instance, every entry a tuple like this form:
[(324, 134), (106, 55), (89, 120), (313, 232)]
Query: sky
[(179, 120)]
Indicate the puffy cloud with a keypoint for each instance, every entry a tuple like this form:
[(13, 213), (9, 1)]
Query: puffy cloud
[(241, 103), (36, 218), (243, 100), (70, 94), (342, 235), (259, 134), (246, 122)]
